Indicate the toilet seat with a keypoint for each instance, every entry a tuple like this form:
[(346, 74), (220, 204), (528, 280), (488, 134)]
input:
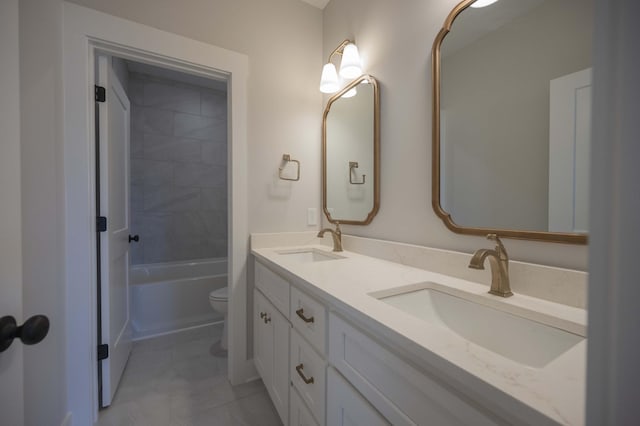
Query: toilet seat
[(220, 294)]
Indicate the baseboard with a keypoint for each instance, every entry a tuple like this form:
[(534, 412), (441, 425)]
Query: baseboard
[(178, 330), (250, 371)]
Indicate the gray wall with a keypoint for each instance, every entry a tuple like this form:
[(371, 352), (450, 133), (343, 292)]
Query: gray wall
[(178, 170), (395, 39)]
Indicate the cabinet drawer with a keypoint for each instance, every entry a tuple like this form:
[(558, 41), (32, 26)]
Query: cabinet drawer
[(402, 394), (309, 318), (299, 413), (345, 406), (273, 286), (308, 375)]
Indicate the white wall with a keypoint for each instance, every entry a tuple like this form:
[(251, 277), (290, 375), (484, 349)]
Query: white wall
[(395, 40), (42, 206), (283, 39)]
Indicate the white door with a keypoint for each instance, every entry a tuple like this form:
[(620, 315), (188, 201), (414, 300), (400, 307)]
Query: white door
[(11, 379), (114, 119), (569, 152)]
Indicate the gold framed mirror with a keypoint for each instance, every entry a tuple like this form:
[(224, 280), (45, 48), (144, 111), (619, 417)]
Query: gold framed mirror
[(351, 153), (504, 158)]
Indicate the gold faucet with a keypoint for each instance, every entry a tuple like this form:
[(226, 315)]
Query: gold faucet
[(499, 261), (337, 236)]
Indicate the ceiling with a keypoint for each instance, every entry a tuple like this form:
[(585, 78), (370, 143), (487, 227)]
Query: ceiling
[(320, 4)]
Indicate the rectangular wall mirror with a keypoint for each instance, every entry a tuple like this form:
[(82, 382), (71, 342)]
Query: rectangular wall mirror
[(511, 119), (351, 153)]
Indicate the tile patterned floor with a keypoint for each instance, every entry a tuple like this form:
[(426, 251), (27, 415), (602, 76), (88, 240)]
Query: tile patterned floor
[(175, 380)]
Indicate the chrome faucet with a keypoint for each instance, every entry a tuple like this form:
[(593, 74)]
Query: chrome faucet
[(337, 236), (499, 261)]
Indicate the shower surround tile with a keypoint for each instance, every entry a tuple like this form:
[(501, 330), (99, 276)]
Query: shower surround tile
[(157, 122), (150, 172), (214, 104), (214, 153), (172, 148), (172, 98), (195, 126), (200, 175), (213, 198), (178, 170), (168, 198)]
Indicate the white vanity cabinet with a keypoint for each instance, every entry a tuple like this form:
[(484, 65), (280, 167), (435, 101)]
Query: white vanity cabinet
[(271, 351), (299, 414), (346, 406), (291, 361), (308, 375), (321, 369), (400, 392)]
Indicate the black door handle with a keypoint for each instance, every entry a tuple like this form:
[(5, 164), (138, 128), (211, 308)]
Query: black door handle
[(31, 332), (135, 238)]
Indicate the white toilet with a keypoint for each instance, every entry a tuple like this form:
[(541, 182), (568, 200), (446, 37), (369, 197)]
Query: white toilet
[(219, 302)]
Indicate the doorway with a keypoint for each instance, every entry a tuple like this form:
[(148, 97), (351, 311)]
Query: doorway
[(161, 194), (86, 33)]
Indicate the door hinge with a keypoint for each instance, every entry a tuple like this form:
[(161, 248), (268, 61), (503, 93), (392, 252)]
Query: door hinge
[(101, 93), (103, 352), (101, 224)]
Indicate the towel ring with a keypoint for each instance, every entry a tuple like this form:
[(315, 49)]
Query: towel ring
[(354, 165), (286, 158)]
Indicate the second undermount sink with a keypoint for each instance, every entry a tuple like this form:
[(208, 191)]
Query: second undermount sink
[(309, 255), (514, 337)]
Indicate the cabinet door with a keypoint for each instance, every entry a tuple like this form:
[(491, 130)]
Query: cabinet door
[(279, 387), (271, 352), (346, 407), (299, 413), (262, 339)]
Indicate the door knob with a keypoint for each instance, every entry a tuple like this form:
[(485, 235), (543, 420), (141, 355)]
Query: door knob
[(31, 332), (135, 238)]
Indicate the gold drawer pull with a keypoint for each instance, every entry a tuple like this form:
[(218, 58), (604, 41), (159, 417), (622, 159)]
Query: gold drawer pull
[(300, 313), (299, 368)]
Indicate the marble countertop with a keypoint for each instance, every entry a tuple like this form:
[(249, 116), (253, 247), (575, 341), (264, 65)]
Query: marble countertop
[(553, 394)]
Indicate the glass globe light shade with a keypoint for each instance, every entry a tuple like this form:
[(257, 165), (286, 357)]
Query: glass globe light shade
[(350, 67), (329, 80)]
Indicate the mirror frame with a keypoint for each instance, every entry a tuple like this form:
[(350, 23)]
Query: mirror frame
[(376, 151), (557, 237)]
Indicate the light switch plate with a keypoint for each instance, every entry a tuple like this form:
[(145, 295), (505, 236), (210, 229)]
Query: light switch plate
[(312, 216)]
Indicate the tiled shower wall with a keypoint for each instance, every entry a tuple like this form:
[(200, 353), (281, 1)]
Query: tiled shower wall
[(178, 170)]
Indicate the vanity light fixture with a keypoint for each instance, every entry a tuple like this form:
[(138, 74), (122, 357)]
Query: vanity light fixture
[(350, 67), (482, 3)]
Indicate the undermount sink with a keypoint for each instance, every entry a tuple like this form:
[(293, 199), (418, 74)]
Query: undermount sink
[(517, 338), (309, 255)]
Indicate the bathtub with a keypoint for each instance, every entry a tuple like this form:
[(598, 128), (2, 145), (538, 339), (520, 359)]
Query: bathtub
[(172, 296)]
